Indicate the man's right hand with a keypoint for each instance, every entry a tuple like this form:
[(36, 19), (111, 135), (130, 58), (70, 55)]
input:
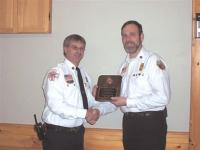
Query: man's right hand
[(92, 115)]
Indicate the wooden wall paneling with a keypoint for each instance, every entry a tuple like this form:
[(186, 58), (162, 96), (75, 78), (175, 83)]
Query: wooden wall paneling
[(195, 83), (34, 16), (25, 16), (103, 139), (8, 14), (18, 137), (23, 137)]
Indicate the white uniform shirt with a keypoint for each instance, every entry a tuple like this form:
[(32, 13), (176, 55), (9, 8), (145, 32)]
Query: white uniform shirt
[(64, 105), (145, 83)]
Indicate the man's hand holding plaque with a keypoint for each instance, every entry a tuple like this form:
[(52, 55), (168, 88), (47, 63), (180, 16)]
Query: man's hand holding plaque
[(108, 86)]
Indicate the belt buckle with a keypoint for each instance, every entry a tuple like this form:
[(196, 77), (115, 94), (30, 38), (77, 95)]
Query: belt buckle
[(73, 129), (147, 114)]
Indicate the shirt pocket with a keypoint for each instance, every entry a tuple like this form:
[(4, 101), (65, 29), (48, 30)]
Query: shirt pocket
[(71, 94), (140, 82), (70, 89)]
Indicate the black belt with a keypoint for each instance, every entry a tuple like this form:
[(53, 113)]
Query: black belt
[(146, 113), (63, 129)]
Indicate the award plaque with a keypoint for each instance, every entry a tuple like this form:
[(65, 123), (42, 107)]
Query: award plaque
[(108, 86)]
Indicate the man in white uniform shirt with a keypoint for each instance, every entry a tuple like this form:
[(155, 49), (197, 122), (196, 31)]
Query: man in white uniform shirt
[(145, 93), (69, 101)]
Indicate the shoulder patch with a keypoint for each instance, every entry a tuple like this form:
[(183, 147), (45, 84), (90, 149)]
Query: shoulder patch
[(124, 70), (160, 64), (52, 75)]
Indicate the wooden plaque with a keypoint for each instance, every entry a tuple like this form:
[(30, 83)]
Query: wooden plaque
[(108, 86)]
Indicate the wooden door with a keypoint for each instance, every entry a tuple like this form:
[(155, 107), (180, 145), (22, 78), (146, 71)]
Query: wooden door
[(34, 16), (195, 85), (8, 13)]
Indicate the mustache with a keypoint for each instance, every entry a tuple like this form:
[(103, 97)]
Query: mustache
[(130, 42)]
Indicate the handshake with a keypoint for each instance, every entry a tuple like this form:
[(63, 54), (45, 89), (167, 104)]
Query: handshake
[(92, 115)]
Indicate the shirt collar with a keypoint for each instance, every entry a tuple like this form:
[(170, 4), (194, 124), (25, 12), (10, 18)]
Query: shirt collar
[(139, 56), (70, 64)]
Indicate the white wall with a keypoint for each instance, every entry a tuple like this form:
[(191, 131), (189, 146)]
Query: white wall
[(167, 29), (1, 112)]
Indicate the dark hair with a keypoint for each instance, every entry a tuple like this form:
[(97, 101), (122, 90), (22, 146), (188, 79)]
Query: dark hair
[(135, 23), (73, 37)]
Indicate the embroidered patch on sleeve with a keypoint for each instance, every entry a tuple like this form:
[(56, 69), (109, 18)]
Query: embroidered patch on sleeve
[(52, 75), (160, 64), (124, 70)]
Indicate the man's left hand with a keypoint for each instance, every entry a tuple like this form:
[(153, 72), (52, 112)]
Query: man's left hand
[(94, 90)]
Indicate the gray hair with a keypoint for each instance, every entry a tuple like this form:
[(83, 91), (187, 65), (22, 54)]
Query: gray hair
[(73, 37)]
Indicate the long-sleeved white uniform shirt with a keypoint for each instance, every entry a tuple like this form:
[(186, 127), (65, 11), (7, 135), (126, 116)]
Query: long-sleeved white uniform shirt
[(145, 83), (63, 101)]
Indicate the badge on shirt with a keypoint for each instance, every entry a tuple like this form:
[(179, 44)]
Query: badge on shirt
[(52, 75), (141, 67), (69, 78), (160, 64), (140, 73)]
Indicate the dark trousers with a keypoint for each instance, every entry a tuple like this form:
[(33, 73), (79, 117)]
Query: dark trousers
[(144, 131), (60, 138)]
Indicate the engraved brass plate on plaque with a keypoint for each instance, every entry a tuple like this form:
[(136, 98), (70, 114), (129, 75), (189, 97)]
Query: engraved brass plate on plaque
[(108, 86)]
